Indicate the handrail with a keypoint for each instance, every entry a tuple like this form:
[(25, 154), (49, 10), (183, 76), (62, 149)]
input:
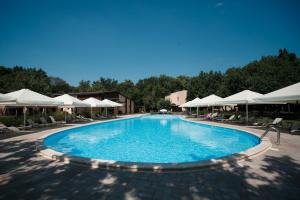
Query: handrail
[(274, 127)]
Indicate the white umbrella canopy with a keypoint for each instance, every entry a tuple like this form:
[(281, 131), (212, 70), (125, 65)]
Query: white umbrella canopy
[(69, 101), (243, 97), (289, 94), (210, 100), (109, 103), (26, 97), (6, 98), (191, 103), (96, 103), (185, 104), (194, 102)]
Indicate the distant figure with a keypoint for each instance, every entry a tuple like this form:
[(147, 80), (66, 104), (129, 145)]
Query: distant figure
[(208, 116)]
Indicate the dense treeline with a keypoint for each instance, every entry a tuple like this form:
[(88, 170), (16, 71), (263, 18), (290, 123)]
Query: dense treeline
[(267, 74)]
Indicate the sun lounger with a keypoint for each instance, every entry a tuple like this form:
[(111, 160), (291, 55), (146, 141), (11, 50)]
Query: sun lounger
[(100, 116), (32, 123), (211, 116), (232, 117), (6, 129), (53, 121), (276, 122), (2, 128), (220, 118), (84, 118), (72, 119), (294, 130), (44, 122)]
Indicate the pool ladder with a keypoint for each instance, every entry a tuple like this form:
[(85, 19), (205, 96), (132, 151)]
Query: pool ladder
[(275, 128)]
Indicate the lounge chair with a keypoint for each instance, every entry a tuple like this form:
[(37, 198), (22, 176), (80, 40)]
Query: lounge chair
[(276, 122), (100, 116), (32, 123), (73, 119), (231, 118), (220, 118), (6, 129), (53, 121), (236, 119), (83, 118), (214, 116), (44, 122), (294, 129)]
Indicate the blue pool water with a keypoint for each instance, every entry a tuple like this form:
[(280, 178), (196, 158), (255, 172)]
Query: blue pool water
[(153, 138)]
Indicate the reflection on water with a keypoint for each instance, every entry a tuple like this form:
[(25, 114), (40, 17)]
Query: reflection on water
[(199, 134), (163, 122), (96, 137)]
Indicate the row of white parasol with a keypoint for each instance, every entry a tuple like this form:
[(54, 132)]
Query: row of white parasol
[(289, 94), (27, 98)]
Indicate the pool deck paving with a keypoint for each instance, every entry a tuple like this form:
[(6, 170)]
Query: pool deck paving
[(25, 174)]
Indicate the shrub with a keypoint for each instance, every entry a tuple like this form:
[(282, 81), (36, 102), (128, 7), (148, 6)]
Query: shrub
[(58, 115), (11, 120)]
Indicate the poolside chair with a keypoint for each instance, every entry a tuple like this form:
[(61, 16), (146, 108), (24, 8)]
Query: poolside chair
[(221, 118), (2, 128), (100, 116), (215, 116), (235, 119), (83, 118), (276, 122), (53, 121), (294, 129), (73, 119), (6, 129), (231, 118), (44, 122), (32, 123), (211, 116)]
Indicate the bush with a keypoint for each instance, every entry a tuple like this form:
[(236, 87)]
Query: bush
[(58, 115), (11, 120)]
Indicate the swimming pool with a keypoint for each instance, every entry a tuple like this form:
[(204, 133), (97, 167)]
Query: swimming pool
[(151, 139)]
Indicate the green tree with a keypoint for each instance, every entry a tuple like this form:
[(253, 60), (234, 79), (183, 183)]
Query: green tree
[(163, 104), (105, 84), (84, 86), (127, 88), (264, 75), (17, 78), (59, 85)]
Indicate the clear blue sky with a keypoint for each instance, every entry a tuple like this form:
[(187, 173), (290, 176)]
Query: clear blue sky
[(135, 39)]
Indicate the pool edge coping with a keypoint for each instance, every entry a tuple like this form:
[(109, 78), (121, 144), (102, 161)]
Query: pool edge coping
[(258, 149)]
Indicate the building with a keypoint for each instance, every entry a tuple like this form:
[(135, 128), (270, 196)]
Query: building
[(128, 104), (177, 98)]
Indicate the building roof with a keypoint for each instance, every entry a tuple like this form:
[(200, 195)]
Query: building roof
[(94, 93)]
